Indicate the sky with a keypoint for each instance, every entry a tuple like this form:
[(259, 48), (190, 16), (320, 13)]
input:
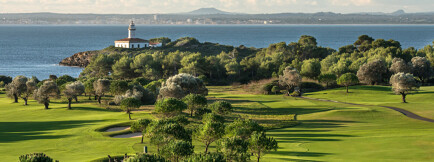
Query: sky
[(239, 6)]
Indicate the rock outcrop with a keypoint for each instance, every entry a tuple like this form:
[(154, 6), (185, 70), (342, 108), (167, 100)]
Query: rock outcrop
[(81, 59)]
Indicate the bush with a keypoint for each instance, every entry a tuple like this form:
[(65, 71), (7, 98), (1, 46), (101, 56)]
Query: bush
[(142, 81), (202, 111), (35, 157), (221, 107), (311, 87), (118, 87), (206, 157), (145, 158), (267, 88)]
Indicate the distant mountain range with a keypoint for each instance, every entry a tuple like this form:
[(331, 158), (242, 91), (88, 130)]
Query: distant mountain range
[(208, 11), (215, 16)]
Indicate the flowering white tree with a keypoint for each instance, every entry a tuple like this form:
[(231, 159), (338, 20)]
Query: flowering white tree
[(403, 84)]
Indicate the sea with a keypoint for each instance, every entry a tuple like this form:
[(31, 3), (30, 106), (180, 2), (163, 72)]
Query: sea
[(36, 50)]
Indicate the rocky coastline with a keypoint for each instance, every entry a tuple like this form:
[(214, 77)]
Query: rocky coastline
[(81, 59)]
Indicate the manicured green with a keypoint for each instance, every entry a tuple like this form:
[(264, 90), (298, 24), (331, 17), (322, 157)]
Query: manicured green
[(325, 131)]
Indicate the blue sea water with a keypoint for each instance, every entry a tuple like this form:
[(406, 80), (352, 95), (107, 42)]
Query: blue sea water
[(36, 50)]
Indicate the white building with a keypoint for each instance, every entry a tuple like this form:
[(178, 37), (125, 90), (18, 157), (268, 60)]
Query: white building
[(131, 41)]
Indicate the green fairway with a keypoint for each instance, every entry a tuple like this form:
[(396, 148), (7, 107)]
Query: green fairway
[(327, 132)]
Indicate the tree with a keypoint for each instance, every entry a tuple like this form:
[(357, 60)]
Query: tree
[(192, 64), (30, 89), (118, 87), (16, 87), (169, 107), (88, 87), (243, 128), (101, 86), (421, 68), (260, 144), (47, 91), (130, 103), (347, 80), (221, 107), (177, 149), (64, 79), (73, 90), (311, 68), (180, 85), (194, 101), (399, 65), (290, 79), (372, 72), (122, 69), (233, 148), (211, 130), (327, 78), (403, 84), (140, 126), (160, 132), (35, 157)]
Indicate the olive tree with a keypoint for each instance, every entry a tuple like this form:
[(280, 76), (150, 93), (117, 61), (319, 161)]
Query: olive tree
[(290, 79), (403, 84), (101, 86), (30, 89), (260, 144), (140, 126), (421, 68), (129, 104), (72, 91), (347, 80), (212, 129), (372, 72), (16, 87), (180, 85), (170, 107), (194, 102), (47, 91), (399, 65)]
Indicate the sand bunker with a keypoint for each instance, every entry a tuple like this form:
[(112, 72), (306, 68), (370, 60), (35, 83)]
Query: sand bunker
[(131, 135), (117, 129)]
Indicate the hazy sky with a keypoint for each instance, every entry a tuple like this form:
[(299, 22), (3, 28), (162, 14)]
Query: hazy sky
[(242, 6)]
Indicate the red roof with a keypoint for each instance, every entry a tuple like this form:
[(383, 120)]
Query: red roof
[(133, 40)]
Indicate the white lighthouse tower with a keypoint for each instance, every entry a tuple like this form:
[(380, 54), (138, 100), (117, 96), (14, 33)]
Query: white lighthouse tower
[(132, 41), (132, 30)]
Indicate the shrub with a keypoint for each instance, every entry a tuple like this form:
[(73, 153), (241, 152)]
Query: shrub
[(35, 157), (267, 88), (206, 157), (145, 157), (221, 107), (311, 87)]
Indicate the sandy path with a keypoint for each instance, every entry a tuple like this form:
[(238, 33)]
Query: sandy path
[(114, 129), (131, 135), (402, 111)]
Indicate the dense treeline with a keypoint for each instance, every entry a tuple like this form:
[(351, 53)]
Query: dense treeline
[(222, 65)]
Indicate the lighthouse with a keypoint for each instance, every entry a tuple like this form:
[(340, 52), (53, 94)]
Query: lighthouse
[(132, 41), (132, 30)]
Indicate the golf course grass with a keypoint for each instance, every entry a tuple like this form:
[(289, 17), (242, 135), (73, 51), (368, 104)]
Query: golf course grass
[(325, 131)]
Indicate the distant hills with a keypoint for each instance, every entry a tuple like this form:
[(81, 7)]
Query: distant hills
[(207, 11), (216, 16)]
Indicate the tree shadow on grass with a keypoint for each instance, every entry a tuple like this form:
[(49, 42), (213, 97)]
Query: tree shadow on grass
[(278, 111), (323, 123), (22, 131), (95, 109), (297, 153), (297, 160)]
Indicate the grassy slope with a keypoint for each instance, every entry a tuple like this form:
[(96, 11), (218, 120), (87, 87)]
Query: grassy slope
[(419, 102), (340, 132), (328, 132)]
